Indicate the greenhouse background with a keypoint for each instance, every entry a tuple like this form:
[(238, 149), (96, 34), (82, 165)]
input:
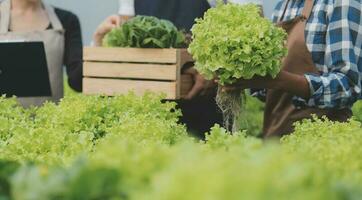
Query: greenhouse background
[(92, 12)]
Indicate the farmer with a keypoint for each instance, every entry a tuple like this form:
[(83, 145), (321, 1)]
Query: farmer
[(59, 30), (199, 108), (322, 73)]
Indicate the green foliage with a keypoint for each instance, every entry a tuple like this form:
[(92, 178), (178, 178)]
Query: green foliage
[(233, 42), (252, 116), (57, 134), (68, 91), (128, 147), (219, 138), (7, 169), (145, 32), (265, 173), (337, 146), (357, 111), (13, 119)]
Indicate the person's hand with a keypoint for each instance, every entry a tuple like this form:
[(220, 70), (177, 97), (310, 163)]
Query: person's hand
[(257, 82), (201, 86), (292, 83), (106, 26)]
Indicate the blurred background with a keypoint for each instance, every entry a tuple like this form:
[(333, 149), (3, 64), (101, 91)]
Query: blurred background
[(93, 12)]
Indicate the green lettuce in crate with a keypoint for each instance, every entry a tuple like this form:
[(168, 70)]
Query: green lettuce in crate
[(234, 42), (145, 32)]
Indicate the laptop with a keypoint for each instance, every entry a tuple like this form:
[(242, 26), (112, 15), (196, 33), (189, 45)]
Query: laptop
[(23, 70)]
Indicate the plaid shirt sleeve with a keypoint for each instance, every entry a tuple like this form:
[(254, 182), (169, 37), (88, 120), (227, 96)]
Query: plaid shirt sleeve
[(339, 85)]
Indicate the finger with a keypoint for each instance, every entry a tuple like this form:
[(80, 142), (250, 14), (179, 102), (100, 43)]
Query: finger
[(115, 20), (118, 21)]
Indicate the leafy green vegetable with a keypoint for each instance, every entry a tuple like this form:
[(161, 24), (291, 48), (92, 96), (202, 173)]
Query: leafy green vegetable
[(134, 149), (145, 32), (252, 117), (233, 42), (337, 146), (7, 169), (57, 134), (357, 111)]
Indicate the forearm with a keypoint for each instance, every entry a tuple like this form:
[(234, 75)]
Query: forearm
[(288, 82), (292, 83)]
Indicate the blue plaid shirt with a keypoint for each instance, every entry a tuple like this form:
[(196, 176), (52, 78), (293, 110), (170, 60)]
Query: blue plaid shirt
[(334, 37)]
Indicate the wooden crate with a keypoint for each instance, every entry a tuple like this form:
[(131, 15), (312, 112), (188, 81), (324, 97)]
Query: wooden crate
[(112, 71)]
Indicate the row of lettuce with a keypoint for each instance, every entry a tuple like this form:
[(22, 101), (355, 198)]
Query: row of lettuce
[(129, 147)]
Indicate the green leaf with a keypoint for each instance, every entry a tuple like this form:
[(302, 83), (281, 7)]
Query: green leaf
[(145, 32), (236, 38)]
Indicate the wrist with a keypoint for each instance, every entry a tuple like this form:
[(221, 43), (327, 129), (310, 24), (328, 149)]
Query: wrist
[(279, 81), (292, 83)]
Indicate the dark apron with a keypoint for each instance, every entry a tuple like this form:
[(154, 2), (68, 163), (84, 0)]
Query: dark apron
[(181, 12), (280, 113), (200, 113)]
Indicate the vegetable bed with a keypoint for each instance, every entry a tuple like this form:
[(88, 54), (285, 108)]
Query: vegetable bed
[(130, 147)]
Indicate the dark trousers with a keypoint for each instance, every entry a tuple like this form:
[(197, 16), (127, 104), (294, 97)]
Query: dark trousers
[(200, 114)]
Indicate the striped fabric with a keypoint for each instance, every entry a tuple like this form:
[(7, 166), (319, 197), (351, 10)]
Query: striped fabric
[(334, 37)]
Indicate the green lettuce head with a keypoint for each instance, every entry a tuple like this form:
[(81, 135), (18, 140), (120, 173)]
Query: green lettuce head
[(234, 42)]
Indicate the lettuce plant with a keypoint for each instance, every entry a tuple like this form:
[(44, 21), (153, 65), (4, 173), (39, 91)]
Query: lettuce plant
[(145, 32), (234, 42)]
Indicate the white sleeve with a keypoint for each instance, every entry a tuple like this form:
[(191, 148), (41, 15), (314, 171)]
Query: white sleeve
[(126, 7), (212, 3)]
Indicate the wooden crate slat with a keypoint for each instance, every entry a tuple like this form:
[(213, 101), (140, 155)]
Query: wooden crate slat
[(114, 71), (117, 86), (130, 55), (130, 70)]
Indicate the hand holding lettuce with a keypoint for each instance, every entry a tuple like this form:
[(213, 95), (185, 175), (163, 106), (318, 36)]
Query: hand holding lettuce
[(233, 42)]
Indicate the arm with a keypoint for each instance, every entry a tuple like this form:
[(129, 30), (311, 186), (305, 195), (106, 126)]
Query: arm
[(292, 83), (73, 53), (126, 11), (338, 88)]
